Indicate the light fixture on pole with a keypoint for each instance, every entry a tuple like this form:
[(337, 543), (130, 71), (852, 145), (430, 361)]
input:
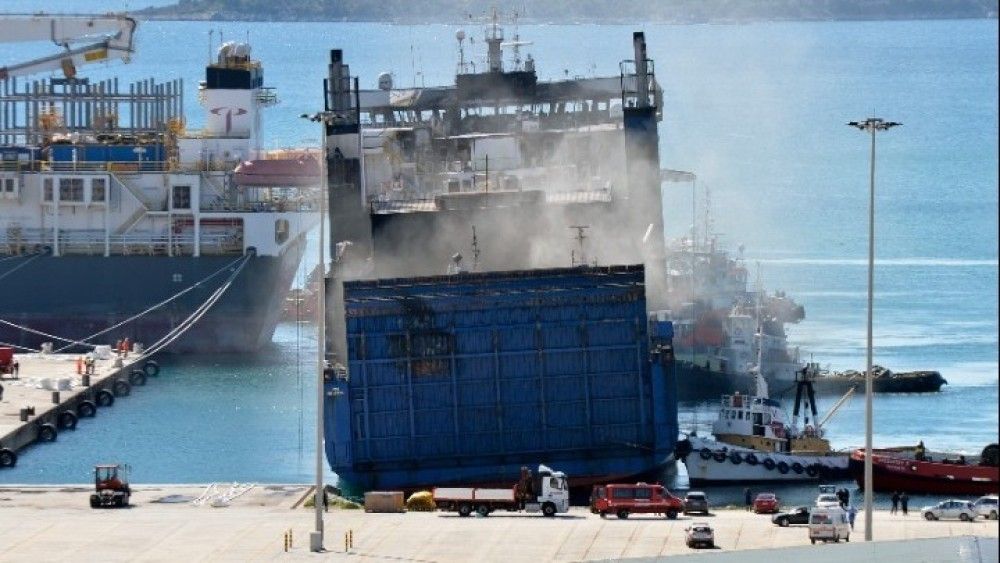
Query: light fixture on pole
[(871, 125), (316, 536)]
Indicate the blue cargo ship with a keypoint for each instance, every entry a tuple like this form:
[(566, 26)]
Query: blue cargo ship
[(478, 318), (466, 378)]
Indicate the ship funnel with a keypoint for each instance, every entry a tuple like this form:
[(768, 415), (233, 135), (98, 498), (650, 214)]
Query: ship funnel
[(641, 74)]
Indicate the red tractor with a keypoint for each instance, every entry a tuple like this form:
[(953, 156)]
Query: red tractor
[(110, 486)]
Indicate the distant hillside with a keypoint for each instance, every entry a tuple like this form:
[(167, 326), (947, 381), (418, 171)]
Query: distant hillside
[(574, 10)]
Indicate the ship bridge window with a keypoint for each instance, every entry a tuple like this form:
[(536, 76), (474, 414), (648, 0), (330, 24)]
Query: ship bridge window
[(280, 231), (8, 188), (181, 197), (71, 189), (47, 189), (98, 190)]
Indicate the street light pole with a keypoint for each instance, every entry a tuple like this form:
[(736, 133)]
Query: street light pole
[(872, 125), (316, 536)]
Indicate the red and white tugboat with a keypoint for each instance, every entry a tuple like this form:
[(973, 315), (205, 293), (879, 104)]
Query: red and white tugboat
[(754, 441)]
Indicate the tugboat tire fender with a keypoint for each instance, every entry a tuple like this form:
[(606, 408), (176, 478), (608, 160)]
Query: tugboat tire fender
[(121, 388), (736, 458), (782, 467), (751, 459), (705, 453), (151, 368), (797, 467), (86, 409), (105, 398), (768, 463), (47, 433), (67, 419), (7, 458), (720, 456), (812, 470), (137, 377)]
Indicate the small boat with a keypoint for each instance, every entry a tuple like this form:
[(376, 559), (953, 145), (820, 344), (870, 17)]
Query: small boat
[(908, 469), (754, 441)]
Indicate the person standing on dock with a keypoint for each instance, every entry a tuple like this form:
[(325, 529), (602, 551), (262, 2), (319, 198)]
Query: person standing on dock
[(895, 502), (851, 515), (904, 499), (748, 497)]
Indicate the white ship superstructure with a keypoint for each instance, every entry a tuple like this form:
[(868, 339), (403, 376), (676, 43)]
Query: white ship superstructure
[(109, 206)]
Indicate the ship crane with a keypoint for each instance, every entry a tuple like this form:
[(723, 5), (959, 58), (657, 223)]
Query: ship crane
[(84, 39)]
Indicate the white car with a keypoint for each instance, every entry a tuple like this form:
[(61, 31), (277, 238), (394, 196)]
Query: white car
[(986, 507), (961, 509), (699, 534), (827, 501)]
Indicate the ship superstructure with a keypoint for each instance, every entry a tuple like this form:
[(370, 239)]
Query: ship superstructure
[(116, 221)]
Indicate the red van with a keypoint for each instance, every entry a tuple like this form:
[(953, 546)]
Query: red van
[(641, 498)]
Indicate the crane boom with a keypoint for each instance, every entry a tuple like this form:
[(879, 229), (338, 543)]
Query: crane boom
[(836, 406), (104, 37)]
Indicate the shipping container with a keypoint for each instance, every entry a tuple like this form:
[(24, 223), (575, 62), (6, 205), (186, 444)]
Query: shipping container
[(464, 379)]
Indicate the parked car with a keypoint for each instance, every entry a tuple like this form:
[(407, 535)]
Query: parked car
[(699, 534), (827, 500), (961, 509), (696, 501), (622, 500), (797, 515), (829, 524), (765, 503), (986, 507)]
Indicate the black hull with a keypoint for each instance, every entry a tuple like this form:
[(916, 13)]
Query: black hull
[(696, 383), (74, 297)]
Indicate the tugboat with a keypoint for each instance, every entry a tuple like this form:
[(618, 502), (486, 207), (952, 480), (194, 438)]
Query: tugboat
[(753, 441), (915, 471)]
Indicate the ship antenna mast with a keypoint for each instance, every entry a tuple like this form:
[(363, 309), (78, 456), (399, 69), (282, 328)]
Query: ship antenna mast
[(759, 375), (475, 250), (580, 237)]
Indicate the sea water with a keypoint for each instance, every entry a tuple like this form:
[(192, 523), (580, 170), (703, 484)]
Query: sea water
[(758, 112)]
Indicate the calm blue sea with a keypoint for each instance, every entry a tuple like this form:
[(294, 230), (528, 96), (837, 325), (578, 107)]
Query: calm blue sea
[(758, 112)]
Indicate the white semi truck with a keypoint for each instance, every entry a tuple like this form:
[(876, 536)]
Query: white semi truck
[(546, 491)]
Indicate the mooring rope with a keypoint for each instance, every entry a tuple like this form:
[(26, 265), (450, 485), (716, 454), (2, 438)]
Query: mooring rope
[(160, 304), (19, 266), (198, 313), (213, 298)]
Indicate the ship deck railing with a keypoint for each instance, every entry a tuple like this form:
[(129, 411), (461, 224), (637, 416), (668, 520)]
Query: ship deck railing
[(386, 203), (92, 243)]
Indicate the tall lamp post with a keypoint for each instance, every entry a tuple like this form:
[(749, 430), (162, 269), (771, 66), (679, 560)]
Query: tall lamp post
[(316, 536), (871, 125)]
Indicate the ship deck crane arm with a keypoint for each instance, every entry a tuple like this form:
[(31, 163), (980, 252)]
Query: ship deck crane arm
[(104, 37), (835, 407)]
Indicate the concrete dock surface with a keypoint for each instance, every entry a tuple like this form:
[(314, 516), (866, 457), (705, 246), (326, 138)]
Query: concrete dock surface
[(42, 378), (56, 524)]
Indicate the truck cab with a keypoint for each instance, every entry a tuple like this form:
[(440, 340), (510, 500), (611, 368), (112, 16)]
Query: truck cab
[(641, 498)]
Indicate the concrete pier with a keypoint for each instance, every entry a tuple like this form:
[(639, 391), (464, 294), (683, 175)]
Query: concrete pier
[(50, 394), (49, 523)]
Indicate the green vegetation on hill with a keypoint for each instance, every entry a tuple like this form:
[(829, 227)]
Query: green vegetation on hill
[(576, 10)]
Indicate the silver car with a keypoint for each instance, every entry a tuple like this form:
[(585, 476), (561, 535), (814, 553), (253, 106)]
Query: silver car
[(961, 509), (699, 534), (986, 507)]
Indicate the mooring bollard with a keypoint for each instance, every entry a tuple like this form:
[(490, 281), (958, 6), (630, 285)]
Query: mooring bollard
[(85, 380), (55, 397), (24, 415)]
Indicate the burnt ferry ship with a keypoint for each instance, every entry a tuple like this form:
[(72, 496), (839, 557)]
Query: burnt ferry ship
[(495, 298)]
